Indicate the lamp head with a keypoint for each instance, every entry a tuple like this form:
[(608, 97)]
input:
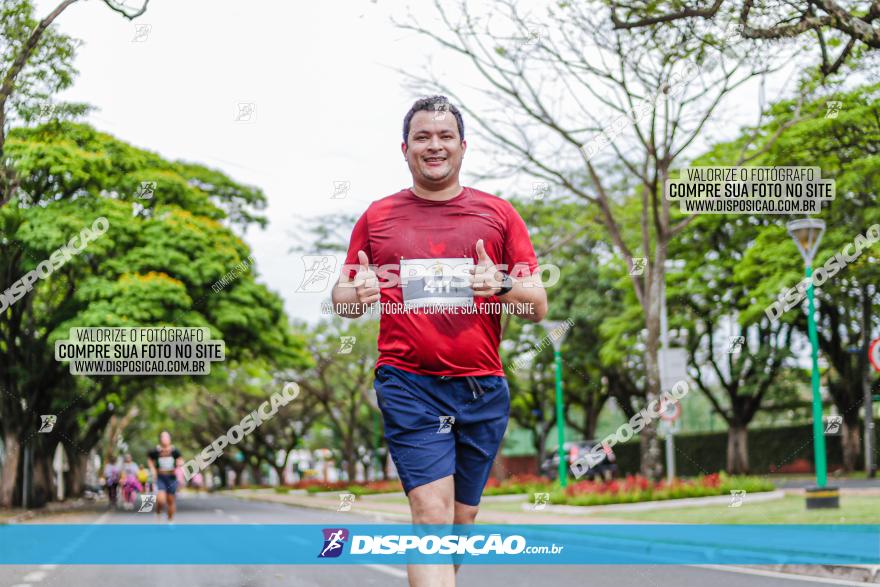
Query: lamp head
[(556, 331), (807, 233)]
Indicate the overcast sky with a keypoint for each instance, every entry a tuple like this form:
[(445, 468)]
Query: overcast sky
[(328, 103)]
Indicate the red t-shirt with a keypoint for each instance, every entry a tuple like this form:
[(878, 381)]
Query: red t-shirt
[(405, 226)]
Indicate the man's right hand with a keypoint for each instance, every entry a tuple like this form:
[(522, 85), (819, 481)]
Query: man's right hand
[(366, 282)]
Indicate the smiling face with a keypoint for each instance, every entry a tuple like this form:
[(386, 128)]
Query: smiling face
[(434, 150), (165, 439)]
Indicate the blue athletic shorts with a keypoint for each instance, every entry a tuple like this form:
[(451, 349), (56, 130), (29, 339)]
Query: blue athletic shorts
[(166, 483), (440, 426)]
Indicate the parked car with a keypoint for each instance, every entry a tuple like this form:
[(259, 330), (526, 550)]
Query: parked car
[(605, 469)]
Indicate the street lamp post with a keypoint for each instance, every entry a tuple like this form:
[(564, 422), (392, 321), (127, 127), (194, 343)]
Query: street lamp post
[(297, 429), (807, 233), (557, 331)]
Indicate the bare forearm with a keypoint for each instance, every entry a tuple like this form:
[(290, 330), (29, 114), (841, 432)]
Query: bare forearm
[(345, 301), (526, 301)]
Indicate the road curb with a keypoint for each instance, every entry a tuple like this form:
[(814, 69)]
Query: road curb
[(868, 574), (49, 510), (657, 505), (322, 505)]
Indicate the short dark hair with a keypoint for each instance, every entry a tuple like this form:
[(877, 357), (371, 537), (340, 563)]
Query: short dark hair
[(437, 104)]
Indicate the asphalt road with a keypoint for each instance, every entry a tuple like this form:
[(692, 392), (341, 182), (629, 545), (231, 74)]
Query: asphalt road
[(212, 509)]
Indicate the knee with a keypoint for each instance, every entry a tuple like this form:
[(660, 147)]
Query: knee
[(432, 511), (465, 514)]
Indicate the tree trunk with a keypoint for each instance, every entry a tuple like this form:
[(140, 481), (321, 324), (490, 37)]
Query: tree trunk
[(651, 462), (850, 441), (220, 478), (541, 446), (591, 420), (9, 473), (280, 472), (43, 490), (238, 469), (651, 466), (351, 470), (737, 450), (75, 480), (256, 474)]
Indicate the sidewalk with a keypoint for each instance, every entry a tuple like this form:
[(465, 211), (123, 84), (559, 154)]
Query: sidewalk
[(804, 481), (18, 515), (385, 510), (515, 508), (645, 506)]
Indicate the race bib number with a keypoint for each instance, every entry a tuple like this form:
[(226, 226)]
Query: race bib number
[(430, 282), (166, 463)]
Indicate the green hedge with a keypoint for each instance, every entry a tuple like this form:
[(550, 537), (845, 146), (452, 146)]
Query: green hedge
[(679, 490), (698, 454)]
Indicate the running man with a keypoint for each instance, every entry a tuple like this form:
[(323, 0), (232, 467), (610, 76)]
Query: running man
[(439, 379), (163, 460)]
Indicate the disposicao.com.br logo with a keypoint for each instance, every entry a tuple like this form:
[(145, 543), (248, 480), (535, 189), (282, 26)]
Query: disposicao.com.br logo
[(428, 544), (334, 540)]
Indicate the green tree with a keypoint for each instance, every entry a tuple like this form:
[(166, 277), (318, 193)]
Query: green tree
[(212, 407), (36, 62), (845, 149), (844, 30), (600, 115), (704, 300), (589, 295), (341, 382), (155, 265)]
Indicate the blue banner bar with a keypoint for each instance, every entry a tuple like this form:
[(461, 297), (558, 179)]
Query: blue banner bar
[(255, 544)]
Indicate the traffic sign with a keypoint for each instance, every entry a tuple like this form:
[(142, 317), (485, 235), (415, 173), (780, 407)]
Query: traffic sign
[(673, 366), (670, 411), (669, 428), (874, 353)]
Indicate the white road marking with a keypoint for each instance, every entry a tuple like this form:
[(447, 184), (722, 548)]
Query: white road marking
[(778, 575), (37, 576), (399, 573)]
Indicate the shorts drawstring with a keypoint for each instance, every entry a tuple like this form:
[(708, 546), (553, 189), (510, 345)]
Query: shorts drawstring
[(476, 389)]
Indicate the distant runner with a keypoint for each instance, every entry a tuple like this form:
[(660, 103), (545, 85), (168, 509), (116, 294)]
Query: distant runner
[(163, 460), (111, 480)]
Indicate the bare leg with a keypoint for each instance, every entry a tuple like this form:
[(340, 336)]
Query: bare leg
[(432, 504), (464, 514), (171, 506), (160, 502)]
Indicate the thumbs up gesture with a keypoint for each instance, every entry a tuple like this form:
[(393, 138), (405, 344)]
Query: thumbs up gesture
[(365, 281), (486, 279)]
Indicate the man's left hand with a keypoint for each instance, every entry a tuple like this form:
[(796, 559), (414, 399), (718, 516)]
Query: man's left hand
[(486, 279)]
